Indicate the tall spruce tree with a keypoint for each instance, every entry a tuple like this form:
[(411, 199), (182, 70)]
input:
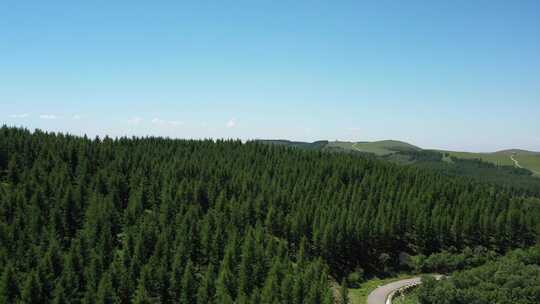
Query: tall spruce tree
[(9, 287)]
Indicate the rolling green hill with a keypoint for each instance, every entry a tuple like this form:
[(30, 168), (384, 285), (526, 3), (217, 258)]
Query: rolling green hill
[(384, 147), (379, 148), (515, 168), (526, 159), (402, 152), (494, 158), (317, 145), (529, 161)]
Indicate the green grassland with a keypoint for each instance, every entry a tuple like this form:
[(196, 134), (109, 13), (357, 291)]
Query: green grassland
[(317, 145), (379, 148), (384, 147), (404, 153), (498, 159), (345, 145), (528, 160)]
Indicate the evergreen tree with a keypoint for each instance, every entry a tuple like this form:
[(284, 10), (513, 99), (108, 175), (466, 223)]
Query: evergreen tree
[(143, 293), (271, 291), (226, 283), (344, 292), (32, 289), (246, 276), (13, 170), (59, 295), (298, 292), (188, 293), (286, 294), (106, 293), (205, 292), (9, 289)]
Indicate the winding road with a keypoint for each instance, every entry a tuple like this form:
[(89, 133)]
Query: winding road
[(515, 161), (380, 295)]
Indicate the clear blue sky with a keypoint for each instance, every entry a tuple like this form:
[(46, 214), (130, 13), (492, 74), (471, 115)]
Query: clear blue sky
[(461, 75)]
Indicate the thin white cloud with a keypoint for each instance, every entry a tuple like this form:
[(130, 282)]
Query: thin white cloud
[(135, 120), (176, 122), (158, 121), (231, 123), (162, 122), (47, 116), (76, 117), (24, 115)]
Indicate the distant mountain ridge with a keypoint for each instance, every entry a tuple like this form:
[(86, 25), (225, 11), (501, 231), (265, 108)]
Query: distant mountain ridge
[(517, 151), (316, 145), (389, 144), (406, 153)]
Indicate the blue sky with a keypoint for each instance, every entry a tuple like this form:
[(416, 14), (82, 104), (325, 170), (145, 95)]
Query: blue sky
[(461, 75)]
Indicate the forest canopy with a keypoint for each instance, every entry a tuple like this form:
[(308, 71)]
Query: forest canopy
[(514, 278), (156, 220)]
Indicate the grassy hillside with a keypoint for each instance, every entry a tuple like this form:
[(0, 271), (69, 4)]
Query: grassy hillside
[(379, 148), (494, 158), (526, 159), (317, 145), (346, 145), (529, 161), (405, 153), (472, 168), (384, 147)]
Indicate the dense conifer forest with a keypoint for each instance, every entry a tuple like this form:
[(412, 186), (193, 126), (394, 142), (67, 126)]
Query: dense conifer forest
[(154, 220), (514, 279)]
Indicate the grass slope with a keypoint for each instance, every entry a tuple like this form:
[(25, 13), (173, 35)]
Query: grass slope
[(380, 148), (384, 147), (317, 145), (527, 159), (345, 145), (401, 152), (494, 158)]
